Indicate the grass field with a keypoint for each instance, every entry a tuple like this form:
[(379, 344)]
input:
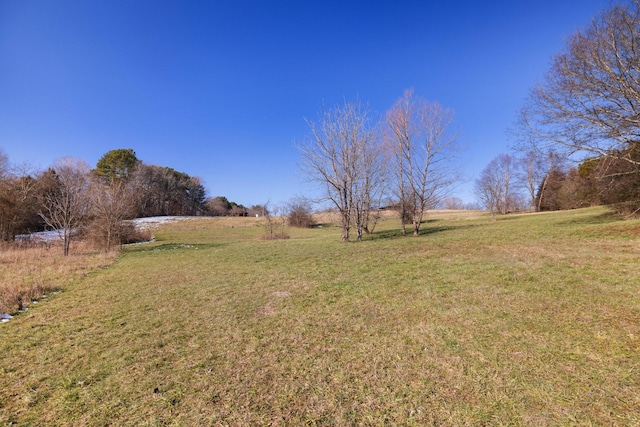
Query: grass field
[(529, 320)]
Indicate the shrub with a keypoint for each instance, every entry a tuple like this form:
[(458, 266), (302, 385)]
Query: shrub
[(131, 234), (124, 233), (300, 214)]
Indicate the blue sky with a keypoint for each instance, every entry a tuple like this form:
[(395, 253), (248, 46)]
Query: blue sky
[(220, 89)]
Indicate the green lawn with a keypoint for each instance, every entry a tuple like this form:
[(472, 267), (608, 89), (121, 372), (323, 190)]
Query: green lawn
[(530, 320)]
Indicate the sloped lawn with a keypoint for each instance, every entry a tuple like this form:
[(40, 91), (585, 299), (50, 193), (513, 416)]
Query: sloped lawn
[(531, 320)]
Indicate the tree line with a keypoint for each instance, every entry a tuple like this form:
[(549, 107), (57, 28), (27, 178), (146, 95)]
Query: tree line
[(578, 134), (513, 182), (73, 198)]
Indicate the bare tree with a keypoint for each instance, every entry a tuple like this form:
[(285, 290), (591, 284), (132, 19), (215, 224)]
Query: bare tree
[(7, 200), (18, 202), (111, 204), (530, 172), (65, 208), (487, 192), (270, 222), (452, 203), (422, 147), (17, 199), (7, 207), (370, 185), (342, 155), (590, 100), (275, 220), (4, 164), (494, 186)]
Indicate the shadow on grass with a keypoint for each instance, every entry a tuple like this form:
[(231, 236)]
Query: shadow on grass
[(427, 228), (509, 217), (173, 247), (604, 218)]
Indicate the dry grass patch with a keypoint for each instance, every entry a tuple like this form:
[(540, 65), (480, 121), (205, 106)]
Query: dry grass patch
[(28, 272)]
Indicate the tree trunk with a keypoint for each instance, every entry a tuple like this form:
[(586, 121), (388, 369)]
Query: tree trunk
[(544, 185), (66, 243), (345, 235), (346, 224)]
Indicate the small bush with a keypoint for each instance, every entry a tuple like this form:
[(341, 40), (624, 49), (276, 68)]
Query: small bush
[(121, 234), (300, 215), (131, 234)]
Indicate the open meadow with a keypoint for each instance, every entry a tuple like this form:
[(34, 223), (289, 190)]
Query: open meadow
[(530, 320)]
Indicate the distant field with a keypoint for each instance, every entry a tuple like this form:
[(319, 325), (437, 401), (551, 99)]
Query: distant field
[(529, 320)]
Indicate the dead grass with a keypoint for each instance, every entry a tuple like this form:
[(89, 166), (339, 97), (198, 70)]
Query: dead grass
[(529, 320), (30, 271)]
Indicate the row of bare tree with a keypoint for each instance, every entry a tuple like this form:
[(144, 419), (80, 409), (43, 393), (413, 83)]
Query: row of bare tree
[(406, 159), (514, 182)]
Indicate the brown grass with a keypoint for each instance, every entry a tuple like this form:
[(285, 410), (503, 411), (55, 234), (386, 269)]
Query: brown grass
[(30, 271)]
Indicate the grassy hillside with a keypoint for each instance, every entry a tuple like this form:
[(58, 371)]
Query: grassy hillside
[(530, 320)]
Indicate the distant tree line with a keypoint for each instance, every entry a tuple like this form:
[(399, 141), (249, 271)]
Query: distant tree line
[(578, 134), (73, 198), (603, 180), (221, 206), (19, 199), (511, 183)]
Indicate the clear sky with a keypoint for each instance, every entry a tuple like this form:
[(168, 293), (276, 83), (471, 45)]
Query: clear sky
[(220, 89)]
